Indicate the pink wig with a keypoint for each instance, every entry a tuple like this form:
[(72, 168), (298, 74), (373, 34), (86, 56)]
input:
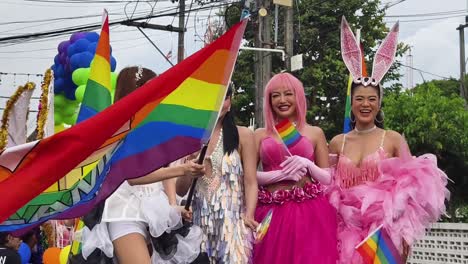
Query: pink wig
[(289, 81)]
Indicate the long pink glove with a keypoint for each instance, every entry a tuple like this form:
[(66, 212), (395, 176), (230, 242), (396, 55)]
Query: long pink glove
[(269, 177), (296, 163)]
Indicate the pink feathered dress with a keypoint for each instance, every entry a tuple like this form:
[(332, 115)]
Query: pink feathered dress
[(303, 226), (405, 194)]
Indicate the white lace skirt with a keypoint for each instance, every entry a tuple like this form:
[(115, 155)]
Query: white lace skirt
[(145, 205)]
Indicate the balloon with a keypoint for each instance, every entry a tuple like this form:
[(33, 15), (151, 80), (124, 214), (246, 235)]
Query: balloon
[(64, 254), (80, 76), (92, 36), (76, 36), (79, 92), (75, 61), (81, 45), (60, 46), (92, 47), (71, 119), (71, 50), (113, 63), (68, 110), (59, 100), (85, 59), (59, 71), (58, 119), (113, 80), (57, 59), (59, 128), (51, 256)]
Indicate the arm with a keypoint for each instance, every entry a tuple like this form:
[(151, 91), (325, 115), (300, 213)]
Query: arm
[(170, 190), (189, 169), (248, 153)]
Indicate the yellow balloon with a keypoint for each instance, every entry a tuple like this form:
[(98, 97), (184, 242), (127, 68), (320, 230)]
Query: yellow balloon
[(64, 254), (59, 128)]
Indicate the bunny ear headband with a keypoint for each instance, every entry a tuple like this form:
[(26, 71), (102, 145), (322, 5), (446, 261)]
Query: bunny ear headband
[(383, 59)]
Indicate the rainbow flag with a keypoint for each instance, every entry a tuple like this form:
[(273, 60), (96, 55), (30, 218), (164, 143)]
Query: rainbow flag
[(80, 179), (97, 95), (288, 133), (169, 117), (378, 248)]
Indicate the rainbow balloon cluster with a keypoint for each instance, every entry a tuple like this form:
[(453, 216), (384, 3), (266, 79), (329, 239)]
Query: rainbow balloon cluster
[(71, 72), (262, 228)]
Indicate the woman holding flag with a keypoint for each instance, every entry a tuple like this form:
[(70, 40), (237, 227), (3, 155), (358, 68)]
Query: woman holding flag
[(225, 197), (294, 157), (144, 207), (377, 182)]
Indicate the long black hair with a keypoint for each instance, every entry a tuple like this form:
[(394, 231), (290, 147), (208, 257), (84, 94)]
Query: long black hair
[(379, 117), (230, 133)]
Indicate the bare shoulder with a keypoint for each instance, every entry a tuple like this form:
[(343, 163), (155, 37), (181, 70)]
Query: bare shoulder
[(394, 137), (260, 133), (336, 143), (314, 131), (245, 131)]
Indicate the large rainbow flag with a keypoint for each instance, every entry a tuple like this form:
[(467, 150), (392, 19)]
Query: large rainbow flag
[(378, 248), (169, 117)]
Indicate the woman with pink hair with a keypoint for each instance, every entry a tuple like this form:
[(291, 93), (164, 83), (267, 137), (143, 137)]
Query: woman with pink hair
[(303, 225)]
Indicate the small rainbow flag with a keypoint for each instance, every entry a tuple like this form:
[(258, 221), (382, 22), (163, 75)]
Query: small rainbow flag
[(288, 133), (379, 248), (262, 228)]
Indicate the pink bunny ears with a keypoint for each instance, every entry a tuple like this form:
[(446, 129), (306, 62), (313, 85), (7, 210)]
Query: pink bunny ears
[(352, 56)]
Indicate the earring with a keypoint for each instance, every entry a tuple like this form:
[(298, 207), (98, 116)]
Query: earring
[(382, 117), (351, 117)]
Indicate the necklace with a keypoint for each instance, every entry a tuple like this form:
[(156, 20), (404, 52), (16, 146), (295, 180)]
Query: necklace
[(365, 131)]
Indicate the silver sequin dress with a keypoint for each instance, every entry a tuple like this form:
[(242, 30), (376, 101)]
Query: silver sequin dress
[(218, 208)]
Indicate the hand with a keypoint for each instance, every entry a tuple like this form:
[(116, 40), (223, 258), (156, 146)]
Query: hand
[(187, 215), (295, 165), (192, 169), (250, 222)]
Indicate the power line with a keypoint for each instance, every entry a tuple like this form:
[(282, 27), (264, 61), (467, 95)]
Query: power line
[(426, 72), (430, 14), (427, 19)]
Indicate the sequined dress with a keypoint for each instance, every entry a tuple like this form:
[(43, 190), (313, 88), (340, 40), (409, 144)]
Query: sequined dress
[(218, 208)]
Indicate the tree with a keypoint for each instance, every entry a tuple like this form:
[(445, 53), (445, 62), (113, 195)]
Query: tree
[(317, 27), (433, 119)]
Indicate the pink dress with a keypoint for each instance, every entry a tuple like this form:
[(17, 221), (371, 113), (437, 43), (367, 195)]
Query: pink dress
[(303, 226), (404, 194)]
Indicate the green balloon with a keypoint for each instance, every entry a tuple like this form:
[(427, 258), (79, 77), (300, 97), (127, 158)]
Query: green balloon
[(69, 110), (58, 119), (70, 119), (113, 80), (79, 92), (59, 100), (80, 76)]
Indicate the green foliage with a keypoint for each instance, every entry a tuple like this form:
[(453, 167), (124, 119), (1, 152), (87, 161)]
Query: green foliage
[(317, 37), (433, 119)]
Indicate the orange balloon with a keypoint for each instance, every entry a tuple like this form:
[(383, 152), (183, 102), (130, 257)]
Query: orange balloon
[(51, 256)]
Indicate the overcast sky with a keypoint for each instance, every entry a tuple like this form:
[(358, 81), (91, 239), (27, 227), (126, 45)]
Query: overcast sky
[(435, 42)]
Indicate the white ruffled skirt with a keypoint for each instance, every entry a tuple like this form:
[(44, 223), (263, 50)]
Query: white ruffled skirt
[(145, 205)]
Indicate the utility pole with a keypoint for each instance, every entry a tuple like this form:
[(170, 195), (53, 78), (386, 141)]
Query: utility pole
[(181, 39), (463, 90), (263, 59), (409, 70), (289, 35)]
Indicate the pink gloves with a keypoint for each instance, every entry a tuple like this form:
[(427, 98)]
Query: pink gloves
[(269, 177), (294, 164)]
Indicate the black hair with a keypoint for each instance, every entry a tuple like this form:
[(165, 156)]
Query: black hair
[(230, 133), (28, 236), (379, 116), (3, 238)]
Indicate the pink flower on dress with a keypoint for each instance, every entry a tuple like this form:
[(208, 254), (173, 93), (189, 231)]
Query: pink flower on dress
[(264, 196), (312, 190), (281, 196), (298, 194)]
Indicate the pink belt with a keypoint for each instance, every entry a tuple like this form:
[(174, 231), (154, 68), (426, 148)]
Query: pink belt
[(296, 194)]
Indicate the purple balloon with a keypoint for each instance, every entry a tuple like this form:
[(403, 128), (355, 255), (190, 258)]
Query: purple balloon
[(76, 36), (62, 58), (61, 46)]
